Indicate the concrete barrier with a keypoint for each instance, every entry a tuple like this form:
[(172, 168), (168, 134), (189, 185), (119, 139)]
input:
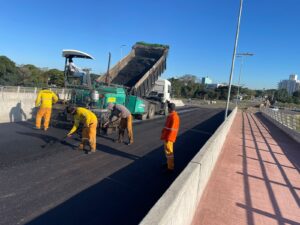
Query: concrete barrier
[(178, 204), (292, 133), (19, 104), (177, 102), (16, 107)]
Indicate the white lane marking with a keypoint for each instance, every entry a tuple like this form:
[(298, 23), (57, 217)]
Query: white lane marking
[(8, 195)]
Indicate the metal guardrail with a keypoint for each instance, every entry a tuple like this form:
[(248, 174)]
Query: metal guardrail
[(34, 90), (21, 89), (290, 121)]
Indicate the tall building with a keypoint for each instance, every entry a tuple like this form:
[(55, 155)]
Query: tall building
[(206, 80), (291, 85)]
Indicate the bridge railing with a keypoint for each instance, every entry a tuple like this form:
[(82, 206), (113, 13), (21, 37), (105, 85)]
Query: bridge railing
[(288, 120), (17, 91)]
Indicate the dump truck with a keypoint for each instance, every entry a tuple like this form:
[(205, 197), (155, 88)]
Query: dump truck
[(130, 82)]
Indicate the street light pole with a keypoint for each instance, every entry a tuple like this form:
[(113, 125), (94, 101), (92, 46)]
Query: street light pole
[(233, 57), (241, 55), (238, 91)]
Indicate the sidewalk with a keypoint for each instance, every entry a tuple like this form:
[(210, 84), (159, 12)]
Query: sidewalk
[(256, 179)]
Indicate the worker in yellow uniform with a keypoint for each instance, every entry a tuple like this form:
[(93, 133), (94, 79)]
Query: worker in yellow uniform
[(44, 100), (89, 121), (169, 135)]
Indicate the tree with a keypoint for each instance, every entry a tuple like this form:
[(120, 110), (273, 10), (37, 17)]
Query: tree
[(9, 74), (54, 77), (281, 95), (296, 97), (33, 76), (258, 93)]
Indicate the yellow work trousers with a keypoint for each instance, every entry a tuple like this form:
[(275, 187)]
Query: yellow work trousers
[(126, 124), (43, 113), (89, 137), (168, 145)]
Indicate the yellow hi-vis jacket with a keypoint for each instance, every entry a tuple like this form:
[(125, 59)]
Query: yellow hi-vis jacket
[(45, 99), (84, 116)]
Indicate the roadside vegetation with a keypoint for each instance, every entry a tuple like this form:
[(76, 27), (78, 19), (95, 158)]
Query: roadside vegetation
[(29, 75), (188, 87), (183, 87)]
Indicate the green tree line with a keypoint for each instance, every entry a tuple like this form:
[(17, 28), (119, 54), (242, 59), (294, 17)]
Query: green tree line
[(28, 75), (183, 87), (188, 87)]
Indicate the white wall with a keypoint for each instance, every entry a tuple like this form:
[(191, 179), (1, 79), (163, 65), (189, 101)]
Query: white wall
[(18, 105), (179, 203)]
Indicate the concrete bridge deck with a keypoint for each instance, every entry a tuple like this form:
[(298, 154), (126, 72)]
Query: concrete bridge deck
[(256, 179)]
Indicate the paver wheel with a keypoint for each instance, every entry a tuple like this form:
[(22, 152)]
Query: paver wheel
[(151, 111)]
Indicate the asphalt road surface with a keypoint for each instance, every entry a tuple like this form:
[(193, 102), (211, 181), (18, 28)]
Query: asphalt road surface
[(46, 181)]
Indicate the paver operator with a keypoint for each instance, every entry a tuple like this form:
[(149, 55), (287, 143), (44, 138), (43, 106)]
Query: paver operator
[(89, 121), (120, 112), (169, 135), (44, 100)]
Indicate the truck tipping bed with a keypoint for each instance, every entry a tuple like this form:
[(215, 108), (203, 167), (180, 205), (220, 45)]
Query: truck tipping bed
[(139, 70)]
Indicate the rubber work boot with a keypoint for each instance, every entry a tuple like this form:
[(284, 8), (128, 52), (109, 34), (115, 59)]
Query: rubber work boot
[(170, 162), (129, 143), (81, 147)]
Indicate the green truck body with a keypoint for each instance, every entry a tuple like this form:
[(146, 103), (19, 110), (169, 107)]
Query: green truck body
[(130, 81)]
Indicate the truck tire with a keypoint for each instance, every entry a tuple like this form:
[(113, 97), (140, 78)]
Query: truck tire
[(151, 111), (144, 116), (166, 110)]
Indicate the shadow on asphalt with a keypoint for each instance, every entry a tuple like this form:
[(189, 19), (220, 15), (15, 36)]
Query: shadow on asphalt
[(52, 142), (127, 195), (112, 151)]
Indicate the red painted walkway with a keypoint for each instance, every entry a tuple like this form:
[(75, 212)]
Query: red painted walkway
[(256, 179)]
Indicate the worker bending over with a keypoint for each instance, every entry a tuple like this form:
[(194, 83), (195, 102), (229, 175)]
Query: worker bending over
[(120, 112), (169, 134), (89, 121), (44, 100)]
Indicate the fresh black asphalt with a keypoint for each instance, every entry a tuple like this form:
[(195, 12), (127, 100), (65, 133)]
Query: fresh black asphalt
[(46, 181)]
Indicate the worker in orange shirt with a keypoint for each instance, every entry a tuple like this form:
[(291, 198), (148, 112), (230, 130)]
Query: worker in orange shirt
[(44, 100), (89, 121), (169, 134)]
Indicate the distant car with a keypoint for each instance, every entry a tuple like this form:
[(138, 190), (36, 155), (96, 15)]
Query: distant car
[(275, 109)]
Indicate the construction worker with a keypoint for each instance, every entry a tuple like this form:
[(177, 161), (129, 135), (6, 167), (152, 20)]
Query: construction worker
[(44, 100), (89, 131), (169, 134), (120, 112)]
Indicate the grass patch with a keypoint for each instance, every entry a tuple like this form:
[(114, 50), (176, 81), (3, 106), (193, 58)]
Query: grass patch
[(152, 44)]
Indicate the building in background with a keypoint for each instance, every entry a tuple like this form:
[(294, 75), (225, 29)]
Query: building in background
[(291, 85), (206, 80), (213, 86)]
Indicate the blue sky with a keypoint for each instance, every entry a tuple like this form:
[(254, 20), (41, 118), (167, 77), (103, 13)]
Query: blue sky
[(200, 34)]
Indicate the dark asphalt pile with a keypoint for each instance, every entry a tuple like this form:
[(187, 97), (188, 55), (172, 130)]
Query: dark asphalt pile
[(45, 181), (134, 71), (144, 59)]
